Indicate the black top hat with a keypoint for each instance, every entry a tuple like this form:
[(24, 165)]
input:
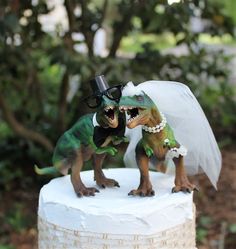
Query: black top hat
[(99, 84), (100, 87)]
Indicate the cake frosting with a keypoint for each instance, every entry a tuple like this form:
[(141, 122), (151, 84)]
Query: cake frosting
[(112, 210)]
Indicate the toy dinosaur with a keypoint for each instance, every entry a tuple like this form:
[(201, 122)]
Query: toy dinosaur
[(158, 139), (89, 138)]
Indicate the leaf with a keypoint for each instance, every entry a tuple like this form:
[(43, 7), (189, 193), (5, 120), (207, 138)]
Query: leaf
[(232, 228), (205, 221), (12, 23), (201, 234)]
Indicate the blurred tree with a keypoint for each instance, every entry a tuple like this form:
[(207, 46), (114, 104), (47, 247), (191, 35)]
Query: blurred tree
[(39, 69), (230, 7)]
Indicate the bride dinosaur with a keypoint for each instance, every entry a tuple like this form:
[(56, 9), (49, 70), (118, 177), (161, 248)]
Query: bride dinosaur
[(150, 133)]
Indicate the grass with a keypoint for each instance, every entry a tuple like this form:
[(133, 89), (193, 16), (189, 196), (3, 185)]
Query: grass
[(133, 43)]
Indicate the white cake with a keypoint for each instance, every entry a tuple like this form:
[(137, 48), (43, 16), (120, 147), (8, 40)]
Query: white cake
[(112, 219)]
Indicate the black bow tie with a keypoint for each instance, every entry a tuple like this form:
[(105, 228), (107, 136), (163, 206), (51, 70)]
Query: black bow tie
[(100, 134)]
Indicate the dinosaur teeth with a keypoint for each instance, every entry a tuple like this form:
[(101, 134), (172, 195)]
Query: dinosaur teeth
[(131, 119), (123, 108), (127, 108), (131, 107), (108, 108)]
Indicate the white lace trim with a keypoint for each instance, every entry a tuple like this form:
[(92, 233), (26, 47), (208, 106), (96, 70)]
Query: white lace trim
[(175, 152)]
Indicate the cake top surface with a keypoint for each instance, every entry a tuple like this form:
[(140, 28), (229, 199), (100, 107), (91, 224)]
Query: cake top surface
[(115, 200), (59, 204)]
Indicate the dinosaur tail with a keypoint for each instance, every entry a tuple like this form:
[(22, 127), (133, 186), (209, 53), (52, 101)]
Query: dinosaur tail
[(46, 171)]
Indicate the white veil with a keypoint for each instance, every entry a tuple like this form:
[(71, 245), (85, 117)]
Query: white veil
[(191, 128)]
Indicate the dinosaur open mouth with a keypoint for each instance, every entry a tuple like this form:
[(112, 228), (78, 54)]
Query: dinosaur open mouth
[(109, 112), (133, 112)]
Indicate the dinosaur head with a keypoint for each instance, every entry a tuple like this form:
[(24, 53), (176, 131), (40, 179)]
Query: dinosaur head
[(105, 99), (138, 105), (107, 112)]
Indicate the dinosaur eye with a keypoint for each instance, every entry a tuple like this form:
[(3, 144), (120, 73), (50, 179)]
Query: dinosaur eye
[(139, 98)]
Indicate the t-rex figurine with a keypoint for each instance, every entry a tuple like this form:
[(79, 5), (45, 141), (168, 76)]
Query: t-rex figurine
[(90, 138), (157, 140)]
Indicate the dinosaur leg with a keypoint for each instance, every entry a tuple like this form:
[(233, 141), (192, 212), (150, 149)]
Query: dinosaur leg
[(77, 183), (145, 186), (161, 167), (99, 176), (181, 180)]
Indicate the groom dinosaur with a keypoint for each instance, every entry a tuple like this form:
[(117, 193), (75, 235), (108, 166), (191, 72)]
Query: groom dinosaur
[(90, 138)]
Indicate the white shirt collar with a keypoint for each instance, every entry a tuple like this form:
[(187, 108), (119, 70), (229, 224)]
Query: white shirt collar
[(95, 123)]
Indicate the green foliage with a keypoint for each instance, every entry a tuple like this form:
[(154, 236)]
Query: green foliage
[(219, 104), (202, 229), (39, 69), (6, 247), (232, 228), (8, 175), (16, 219), (230, 7), (201, 234)]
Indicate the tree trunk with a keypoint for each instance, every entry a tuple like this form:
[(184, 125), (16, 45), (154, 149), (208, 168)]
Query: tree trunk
[(21, 130)]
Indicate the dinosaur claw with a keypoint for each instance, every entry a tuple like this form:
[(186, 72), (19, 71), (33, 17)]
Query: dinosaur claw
[(131, 193), (142, 192), (185, 188), (79, 194), (86, 192), (196, 189), (117, 185), (152, 193), (188, 190), (106, 182), (173, 190)]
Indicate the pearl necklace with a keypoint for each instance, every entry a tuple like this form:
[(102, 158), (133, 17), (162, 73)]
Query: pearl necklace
[(156, 128)]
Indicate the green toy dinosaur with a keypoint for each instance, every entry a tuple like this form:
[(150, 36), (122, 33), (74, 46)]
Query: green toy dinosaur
[(90, 138), (157, 140)]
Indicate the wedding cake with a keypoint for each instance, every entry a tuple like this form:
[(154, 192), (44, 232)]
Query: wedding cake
[(113, 220)]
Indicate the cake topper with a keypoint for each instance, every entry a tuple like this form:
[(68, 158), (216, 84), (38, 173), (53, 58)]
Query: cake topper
[(89, 138), (151, 135)]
